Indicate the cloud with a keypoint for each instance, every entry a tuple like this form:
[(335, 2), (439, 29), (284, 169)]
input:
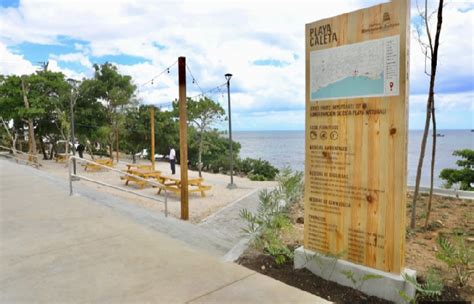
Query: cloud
[(13, 64), (73, 57), (261, 43)]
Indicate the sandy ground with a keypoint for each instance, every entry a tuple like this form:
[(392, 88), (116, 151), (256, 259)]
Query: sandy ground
[(199, 207)]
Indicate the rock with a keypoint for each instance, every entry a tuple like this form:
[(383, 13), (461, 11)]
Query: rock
[(263, 267), (440, 222), (470, 239), (435, 249), (300, 220)]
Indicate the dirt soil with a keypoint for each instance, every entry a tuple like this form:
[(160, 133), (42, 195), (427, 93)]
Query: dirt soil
[(450, 217), (305, 280)]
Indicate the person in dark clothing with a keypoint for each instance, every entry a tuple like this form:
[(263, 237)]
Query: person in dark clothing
[(80, 149)]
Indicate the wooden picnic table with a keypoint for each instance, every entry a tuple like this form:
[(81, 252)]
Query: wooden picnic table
[(143, 173), (173, 184), (102, 161)]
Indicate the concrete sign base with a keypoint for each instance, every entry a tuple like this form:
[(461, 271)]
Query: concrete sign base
[(368, 280)]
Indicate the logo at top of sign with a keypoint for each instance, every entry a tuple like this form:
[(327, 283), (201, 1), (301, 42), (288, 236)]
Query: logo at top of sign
[(385, 24)]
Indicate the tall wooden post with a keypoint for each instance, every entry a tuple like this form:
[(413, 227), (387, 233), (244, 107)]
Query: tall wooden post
[(183, 138), (152, 122)]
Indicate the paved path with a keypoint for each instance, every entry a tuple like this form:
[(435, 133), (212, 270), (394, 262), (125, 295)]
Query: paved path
[(55, 249), (227, 224)]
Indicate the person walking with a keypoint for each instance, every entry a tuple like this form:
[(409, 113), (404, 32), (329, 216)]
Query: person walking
[(172, 160), (80, 148)]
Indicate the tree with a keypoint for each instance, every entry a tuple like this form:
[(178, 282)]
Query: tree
[(430, 50), (11, 107), (116, 91), (90, 116), (463, 176), (136, 135), (202, 114), (33, 101)]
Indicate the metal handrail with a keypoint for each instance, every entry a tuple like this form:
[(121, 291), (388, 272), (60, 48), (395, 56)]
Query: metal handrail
[(35, 162), (153, 183)]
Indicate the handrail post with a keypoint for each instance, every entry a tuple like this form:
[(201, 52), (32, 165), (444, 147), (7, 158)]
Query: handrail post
[(70, 176)]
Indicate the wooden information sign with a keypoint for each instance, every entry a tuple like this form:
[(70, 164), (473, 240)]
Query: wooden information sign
[(356, 135)]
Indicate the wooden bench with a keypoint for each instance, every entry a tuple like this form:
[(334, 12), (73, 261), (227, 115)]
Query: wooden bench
[(139, 166), (174, 185), (94, 167), (143, 173)]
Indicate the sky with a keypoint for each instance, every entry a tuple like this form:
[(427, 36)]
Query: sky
[(260, 42)]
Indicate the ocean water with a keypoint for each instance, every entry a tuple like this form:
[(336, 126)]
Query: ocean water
[(351, 86), (286, 148)]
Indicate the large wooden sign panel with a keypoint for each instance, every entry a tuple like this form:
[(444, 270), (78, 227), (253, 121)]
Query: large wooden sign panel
[(356, 135)]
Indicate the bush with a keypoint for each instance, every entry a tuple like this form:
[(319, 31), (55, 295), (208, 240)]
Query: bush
[(272, 219), (265, 226), (256, 177), (257, 169), (291, 185)]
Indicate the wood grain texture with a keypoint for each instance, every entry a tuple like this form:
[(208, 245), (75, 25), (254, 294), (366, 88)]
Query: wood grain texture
[(355, 181)]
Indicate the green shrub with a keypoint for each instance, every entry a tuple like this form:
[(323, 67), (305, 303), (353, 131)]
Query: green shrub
[(255, 169), (256, 177), (265, 226), (291, 185), (271, 219)]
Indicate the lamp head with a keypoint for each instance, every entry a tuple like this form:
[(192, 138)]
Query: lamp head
[(228, 76)]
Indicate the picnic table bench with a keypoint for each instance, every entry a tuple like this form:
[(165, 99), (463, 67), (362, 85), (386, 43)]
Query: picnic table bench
[(138, 166), (143, 173), (94, 167), (61, 157), (174, 185)]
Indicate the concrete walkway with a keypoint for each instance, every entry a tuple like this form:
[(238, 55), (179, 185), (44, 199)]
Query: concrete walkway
[(60, 249)]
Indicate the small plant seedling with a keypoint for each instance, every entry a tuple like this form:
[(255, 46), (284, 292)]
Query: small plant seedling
[(458, 256), (432, 288), (358, 281)]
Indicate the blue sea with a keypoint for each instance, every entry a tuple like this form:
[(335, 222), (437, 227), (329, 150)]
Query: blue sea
[(286, 148), (351, 86)]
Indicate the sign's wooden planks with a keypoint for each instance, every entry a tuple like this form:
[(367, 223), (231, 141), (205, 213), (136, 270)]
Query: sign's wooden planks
[(356, 135)]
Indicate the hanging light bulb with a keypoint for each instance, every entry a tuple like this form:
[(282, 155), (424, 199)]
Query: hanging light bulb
[(168, 69), (152, 82)]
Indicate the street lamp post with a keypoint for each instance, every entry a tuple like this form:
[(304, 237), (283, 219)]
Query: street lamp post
[(228, 76), (72, 102)]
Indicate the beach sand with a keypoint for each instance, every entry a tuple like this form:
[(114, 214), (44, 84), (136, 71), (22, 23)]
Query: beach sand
[(199, 207)]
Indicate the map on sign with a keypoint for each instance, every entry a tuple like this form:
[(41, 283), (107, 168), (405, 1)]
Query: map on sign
[(365, 69)]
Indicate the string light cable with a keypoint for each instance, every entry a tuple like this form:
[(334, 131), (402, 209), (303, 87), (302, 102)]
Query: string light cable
[(166, 70)]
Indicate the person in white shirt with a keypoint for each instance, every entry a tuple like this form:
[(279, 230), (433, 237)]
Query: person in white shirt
[(172, 160)]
